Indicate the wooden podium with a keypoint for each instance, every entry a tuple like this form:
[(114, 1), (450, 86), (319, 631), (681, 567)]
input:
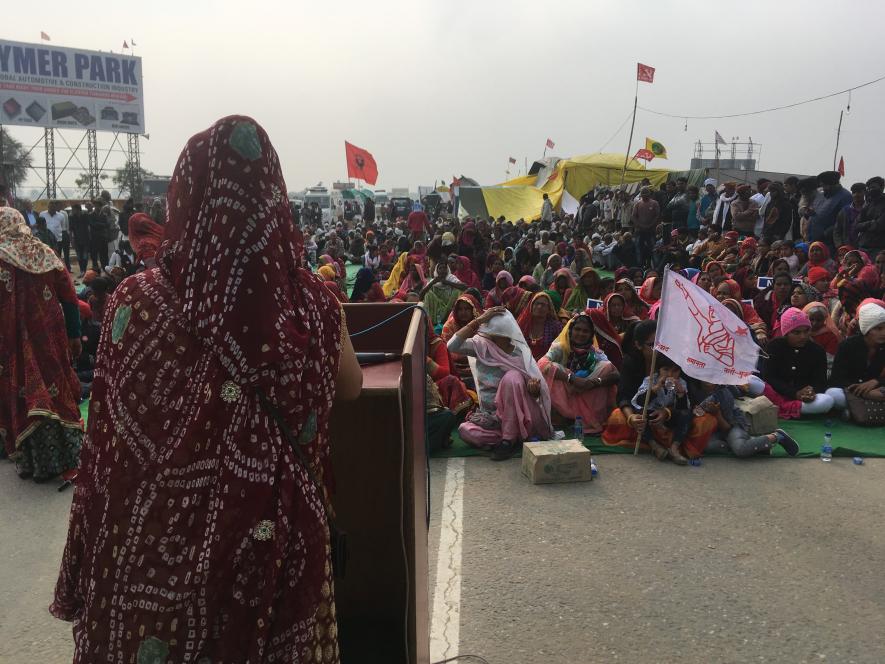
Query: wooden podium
[(380, 498)]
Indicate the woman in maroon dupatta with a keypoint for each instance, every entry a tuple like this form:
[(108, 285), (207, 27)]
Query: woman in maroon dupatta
[(40, 425), (145, 236), (196, 534)]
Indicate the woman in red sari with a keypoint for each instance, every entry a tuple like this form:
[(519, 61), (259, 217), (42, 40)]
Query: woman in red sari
[(465, 273), (145, 236), (40, 425), (196, 533), (731, 289), (466, 309), (539, 324), (452, 391), (618, 313)]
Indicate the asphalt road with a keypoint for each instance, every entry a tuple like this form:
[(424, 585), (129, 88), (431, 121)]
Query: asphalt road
[(735, 561)]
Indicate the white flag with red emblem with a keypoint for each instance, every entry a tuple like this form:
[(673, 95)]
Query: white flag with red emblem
[(702, 335)]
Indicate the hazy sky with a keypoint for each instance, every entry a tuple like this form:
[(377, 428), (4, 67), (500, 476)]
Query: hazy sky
[(436, 88)]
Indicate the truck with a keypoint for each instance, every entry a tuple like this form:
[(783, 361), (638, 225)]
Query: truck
[(318, 195)]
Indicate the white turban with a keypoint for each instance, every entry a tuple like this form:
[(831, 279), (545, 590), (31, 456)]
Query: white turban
[(710, 181), (870, 315)]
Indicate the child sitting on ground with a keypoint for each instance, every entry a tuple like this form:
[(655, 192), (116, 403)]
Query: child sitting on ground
[(668, 409), (732, 431)]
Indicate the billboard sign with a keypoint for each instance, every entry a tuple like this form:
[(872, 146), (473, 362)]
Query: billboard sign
[(50, 86)]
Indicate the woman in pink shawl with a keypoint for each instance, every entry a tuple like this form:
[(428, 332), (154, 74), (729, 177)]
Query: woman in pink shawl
[(514, 400), (650, 293), (495, 297)]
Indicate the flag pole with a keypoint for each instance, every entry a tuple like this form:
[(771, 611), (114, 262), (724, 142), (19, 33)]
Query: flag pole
[(838, 133), (654, 359), (630, 140), (716, 146)]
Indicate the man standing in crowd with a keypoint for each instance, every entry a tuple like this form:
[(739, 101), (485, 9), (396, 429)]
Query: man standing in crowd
[(663, 196), (419, 223), (678, 205), (646, 216), (109, 212), (761, 199), (744, 211), (79, 223), (871, 223), (822, 220), (778, 214), (708, 201), (57, 223), (99, 232), (845, 228), (28, 212), (721, 219), (546, 210), (791, 190)]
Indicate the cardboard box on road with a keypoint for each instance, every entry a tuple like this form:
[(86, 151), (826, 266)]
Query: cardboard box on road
[(551, 461)]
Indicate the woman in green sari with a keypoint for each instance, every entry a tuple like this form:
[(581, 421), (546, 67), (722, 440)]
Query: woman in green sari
[(589, 287)]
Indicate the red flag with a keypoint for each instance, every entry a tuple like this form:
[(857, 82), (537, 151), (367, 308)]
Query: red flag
[(125, 45), (842, 166), (645, 73), (360, 164), (648, 155), (512, 160), (44, 36), (550, 144)]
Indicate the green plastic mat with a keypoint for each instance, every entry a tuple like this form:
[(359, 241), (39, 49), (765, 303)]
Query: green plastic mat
[(849, 440)]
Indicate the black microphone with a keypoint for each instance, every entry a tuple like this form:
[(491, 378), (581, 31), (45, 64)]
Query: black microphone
[(375, 358)]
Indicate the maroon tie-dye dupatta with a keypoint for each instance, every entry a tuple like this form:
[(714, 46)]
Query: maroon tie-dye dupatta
[(196, 535)]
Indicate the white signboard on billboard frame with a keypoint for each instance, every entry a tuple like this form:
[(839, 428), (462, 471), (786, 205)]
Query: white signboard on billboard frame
[(42, 85)]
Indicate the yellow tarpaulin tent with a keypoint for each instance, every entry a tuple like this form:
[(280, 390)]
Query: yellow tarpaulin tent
[(521, 198)]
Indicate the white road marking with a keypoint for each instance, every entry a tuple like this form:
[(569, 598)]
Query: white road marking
[(445, 623)]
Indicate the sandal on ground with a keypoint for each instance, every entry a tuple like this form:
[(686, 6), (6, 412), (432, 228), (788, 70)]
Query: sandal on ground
[(676, 455), (658, 450)]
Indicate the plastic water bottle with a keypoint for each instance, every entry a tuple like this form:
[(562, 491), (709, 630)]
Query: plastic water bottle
[(826, 450), (594, 471), (579, 428)]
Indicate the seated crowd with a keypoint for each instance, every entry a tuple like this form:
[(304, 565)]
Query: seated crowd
[(538, 323)]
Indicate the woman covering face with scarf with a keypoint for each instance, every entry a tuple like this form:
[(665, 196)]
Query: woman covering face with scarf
[(514, 401)]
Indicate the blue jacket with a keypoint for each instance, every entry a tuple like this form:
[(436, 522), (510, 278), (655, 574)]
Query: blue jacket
[(823, 219)]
